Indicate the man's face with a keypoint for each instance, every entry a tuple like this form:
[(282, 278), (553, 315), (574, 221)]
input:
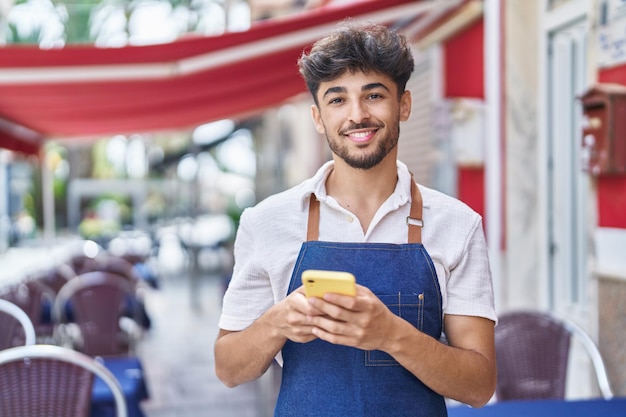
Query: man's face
[(360, 115)]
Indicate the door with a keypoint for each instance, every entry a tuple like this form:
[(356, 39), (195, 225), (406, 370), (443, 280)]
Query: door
[(569, 222), (567, 183)]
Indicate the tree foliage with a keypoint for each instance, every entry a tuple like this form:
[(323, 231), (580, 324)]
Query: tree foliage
[(54, 23)]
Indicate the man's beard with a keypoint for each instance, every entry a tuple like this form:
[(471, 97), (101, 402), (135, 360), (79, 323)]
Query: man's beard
[(370, 160)]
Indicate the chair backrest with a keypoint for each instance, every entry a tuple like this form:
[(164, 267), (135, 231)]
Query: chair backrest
[(47, 380), (594, 354), (34, 297), (118, 265), (97, 300), (81, 263), (56, 277), (10, 316), (106, 263), (532, 353)]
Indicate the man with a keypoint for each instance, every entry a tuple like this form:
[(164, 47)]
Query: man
[(379, 353)]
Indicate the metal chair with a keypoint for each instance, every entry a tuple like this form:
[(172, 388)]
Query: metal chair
[(35, 298), (101, 305), (47, 380), (10, 316), (532, 353), (56, 277), (122, 267), (107, 263)]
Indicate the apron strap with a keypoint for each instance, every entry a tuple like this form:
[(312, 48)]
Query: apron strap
[(413, 221), (313, 227)]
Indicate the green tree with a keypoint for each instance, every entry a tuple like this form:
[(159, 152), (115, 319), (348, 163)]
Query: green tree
[(85, 21)]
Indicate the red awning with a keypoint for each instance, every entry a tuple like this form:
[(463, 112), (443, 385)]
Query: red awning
[(85, 91)]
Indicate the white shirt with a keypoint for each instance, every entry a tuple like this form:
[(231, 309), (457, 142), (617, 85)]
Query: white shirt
[(270, 235)]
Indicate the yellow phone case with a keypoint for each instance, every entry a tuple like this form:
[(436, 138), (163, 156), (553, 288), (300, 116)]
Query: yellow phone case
[(318, 282)]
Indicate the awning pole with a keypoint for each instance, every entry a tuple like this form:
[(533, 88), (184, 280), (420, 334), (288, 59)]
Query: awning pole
[(47, 190), (5, 221)]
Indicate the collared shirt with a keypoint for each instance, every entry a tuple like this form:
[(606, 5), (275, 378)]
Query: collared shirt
[(270, 235)]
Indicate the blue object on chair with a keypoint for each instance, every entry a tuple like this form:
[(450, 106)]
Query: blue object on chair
[(129, 373)]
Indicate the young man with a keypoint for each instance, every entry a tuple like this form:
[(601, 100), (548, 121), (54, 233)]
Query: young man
[(422, 269)]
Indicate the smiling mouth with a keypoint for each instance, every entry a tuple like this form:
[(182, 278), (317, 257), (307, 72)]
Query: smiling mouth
[(360, 134)]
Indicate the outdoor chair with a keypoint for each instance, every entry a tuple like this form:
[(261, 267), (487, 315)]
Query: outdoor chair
[(103, 309), (82, 263), (56, 277), (10, 316), (47, 380), (117, 265), (35, 298), (122, 267), (532, 353)]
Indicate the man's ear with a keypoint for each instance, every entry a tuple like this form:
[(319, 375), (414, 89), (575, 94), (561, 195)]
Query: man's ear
[(406, 101), (317, 119)]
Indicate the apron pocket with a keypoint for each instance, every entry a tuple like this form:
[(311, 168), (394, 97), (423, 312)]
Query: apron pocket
[(408, 306)]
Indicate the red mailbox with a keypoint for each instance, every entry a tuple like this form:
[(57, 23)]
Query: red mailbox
[(604, 129)]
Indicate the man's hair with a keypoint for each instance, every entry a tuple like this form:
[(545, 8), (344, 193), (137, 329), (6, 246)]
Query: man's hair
[(365, 48)]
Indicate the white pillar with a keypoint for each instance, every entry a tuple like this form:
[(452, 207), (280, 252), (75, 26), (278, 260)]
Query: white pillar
[(493, 140)]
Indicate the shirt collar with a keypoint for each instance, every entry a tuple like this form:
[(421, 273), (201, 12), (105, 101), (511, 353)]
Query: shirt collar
[(317, 185)]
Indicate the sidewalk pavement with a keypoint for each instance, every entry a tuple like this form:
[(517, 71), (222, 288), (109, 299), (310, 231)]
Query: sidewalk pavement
[(177, 355)]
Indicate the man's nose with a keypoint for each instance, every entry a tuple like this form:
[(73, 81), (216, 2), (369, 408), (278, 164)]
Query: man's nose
[(358, 112)]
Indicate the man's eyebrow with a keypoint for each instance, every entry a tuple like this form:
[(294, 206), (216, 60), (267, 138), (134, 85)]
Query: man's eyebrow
[(332, 90), (373, 86), (366, 87)]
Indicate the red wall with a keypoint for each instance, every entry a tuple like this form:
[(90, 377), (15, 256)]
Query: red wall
[(471, 186), (612, 189), (464, 63), (616, 74), (612, 201), (464, 77)]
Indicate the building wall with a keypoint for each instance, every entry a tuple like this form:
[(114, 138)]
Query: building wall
[(612, 292), (464, 79), (525, 282), (416, 146)]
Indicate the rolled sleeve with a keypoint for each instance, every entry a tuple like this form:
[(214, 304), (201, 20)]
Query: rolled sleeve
[(469, 287), (238, 309)]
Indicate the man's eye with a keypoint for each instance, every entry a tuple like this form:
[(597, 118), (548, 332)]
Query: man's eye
[(375, 96), (335, 101)]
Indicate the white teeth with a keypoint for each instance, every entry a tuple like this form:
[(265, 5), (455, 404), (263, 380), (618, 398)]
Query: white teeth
[(360, 134)]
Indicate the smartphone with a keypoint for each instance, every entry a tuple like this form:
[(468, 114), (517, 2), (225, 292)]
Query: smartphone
[(317, 282)]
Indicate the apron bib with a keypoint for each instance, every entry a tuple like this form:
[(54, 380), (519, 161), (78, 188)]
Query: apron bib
[(322, 379)]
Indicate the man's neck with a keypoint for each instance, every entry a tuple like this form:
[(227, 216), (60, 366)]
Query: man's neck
[(362, 192)]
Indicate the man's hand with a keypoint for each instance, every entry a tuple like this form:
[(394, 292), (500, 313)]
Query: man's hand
[(362, 321), (242, 356), (292, 318)]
